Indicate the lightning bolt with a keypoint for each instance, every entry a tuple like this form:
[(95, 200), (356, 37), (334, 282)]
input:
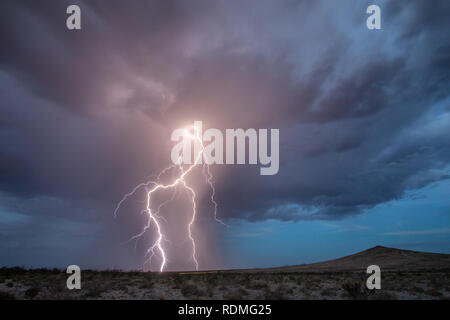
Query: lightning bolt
[(155, 218)]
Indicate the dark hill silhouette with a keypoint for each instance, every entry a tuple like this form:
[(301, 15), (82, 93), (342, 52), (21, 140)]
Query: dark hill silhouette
[(386, 258)]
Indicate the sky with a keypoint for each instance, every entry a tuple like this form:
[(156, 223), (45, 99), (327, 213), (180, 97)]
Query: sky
[(86, 115)]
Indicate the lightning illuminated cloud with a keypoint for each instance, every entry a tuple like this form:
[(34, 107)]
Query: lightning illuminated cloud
[(154, 216)]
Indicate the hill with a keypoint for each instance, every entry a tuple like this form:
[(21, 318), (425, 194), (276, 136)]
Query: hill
[(386, 258)]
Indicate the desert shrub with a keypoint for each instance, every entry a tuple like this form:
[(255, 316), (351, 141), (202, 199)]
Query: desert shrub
[(257, 285), (433, 293), (418, 289), (57, 271), (238, 294), (176, 278), (327, 292), (356, 291), (56, 288), (31, 293), (289, 290), (246, 280), (213, 281), (273, 295), (191, 290), (46, 271), (303, 281), (147, 284), (94, 291), (12, 271), (385, 295), (177, 281), (6, 296), (277, 294)]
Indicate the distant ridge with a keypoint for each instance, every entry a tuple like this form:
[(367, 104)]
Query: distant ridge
[(386, 258)]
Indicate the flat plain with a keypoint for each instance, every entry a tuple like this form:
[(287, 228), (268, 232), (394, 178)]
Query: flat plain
[(405, 274)]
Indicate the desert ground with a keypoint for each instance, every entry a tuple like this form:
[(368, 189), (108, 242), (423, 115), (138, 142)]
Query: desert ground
[(404, 275)]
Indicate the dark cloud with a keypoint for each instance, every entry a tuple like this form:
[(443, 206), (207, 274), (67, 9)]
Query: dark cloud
[(86, 115)]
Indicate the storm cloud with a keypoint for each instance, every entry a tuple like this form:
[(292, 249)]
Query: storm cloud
[(364, 115)]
